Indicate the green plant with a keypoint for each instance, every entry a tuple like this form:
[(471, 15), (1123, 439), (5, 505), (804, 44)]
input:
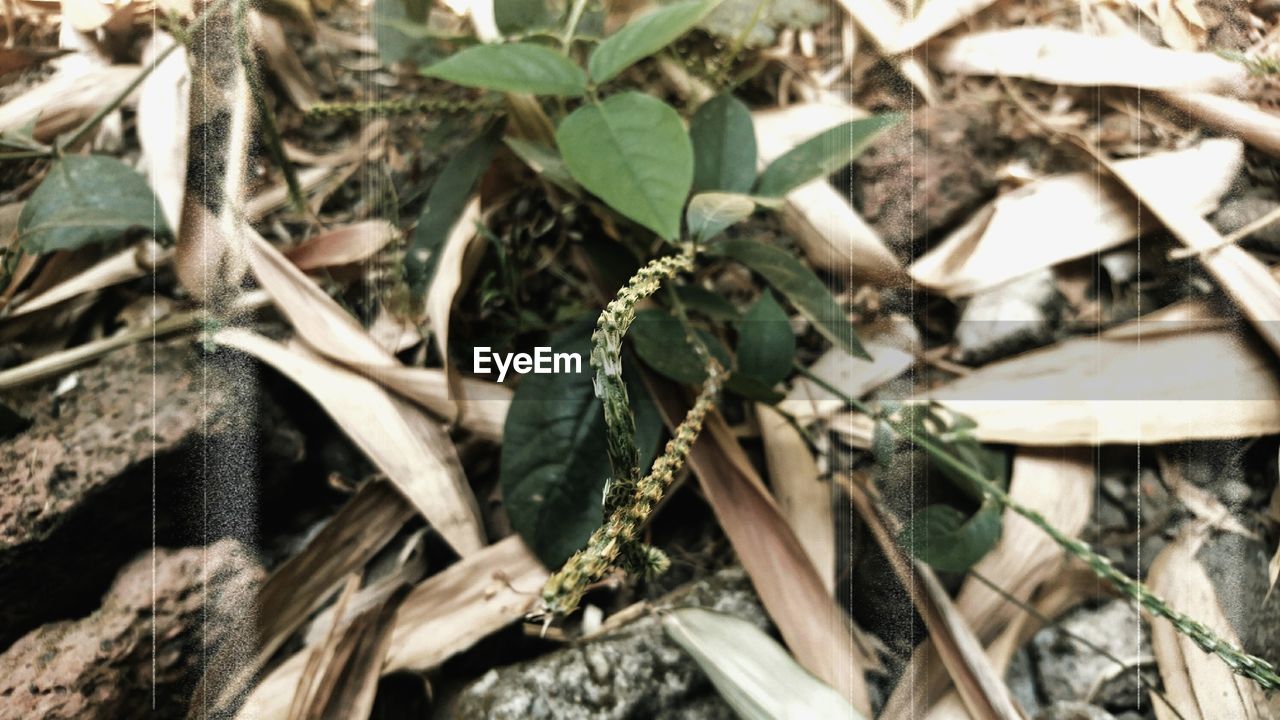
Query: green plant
[(631, 156)]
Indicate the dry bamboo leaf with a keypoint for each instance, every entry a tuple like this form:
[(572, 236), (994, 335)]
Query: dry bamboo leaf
[(803, 497), (1059, 484), (1202, 503), (162, 119), (284, 63), (123, 266), (981, 689), (1181, 26), (67, 98), (349, 682), (932, 19), (1064, 57), (1242, 276), (881, 22), (1125, 388), (344, 545), (1069, 216), (1245, 120), (443, 616), (891, 342), (449, 273), (86, 15), (814, 627), (1198, 684), (342, 246), (832, 235), (412, 449)]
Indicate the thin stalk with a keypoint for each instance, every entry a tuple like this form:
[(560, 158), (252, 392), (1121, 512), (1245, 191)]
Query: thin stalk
[(571, 27), (1240, 662), (1048, 621), (88, 125)]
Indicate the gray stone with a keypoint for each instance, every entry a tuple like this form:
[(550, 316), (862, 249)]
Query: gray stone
[(1069, 671), (1005, 320), (634, 671), (1020, 677)]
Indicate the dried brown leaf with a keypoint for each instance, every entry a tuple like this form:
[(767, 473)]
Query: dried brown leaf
[(1069, 216), (342, 246), (803, 497), (412, 449), (443, 616)]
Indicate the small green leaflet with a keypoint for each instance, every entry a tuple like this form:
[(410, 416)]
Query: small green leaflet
[(752, 672), (822, 154), (87, 199), (944, 538), (710, 213), (445, 203), (801, 286), (553, 466), (645, 36), (520, 68), (766, 345), (724, 146), (631, 151)]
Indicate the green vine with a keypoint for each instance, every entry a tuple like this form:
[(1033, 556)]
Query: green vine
[(629, 498)]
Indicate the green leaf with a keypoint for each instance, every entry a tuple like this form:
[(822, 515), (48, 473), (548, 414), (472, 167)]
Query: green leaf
[(724, 146), (645, 36), (515, 16), (660, 341), (400, 29), (445, 203), (631, 151), (822, 154), (944, 538), (515, 67), (752, 672), (553, 466), (545, 161), (710, 304), (710, 213), (798, 284), (766, 345), (85, 200)]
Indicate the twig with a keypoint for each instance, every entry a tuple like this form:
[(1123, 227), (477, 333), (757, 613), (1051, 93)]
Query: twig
[(1230, 239)]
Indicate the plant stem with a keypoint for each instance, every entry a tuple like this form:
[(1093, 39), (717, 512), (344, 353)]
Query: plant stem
[(1240, 662), (571, 27)]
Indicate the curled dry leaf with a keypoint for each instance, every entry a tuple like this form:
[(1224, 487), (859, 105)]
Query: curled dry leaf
[(163, 129), (814, 627), (1198, 684), (342, 246), (932, 19), (1059, 484), (1068, 216), (67, 98), (450, 271), (123, 266), (443, 616), (892, 343), (1064, 57), (803, 497), (410, 448), (1125, 387), (832, 235)]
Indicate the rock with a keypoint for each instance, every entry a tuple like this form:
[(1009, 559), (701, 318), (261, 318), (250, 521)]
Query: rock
[(1074, 711), (924, 175), (1071, 672), (101, 667), (1241, 210), (1016, 316), (730, 18), (1020, 677), (1237, 567), (78, 500), (635, 671)]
